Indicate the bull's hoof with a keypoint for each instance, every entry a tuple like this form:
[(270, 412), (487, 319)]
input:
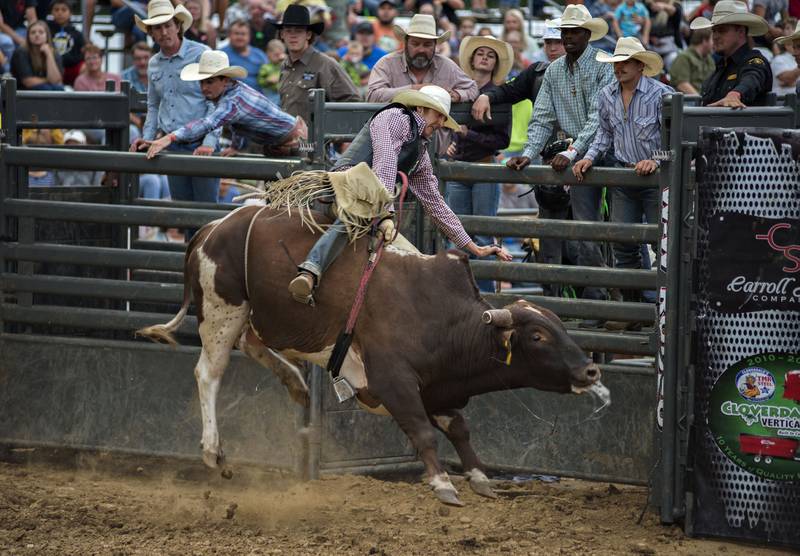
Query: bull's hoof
[(227, 474), (482, 488), (213, 459), (448, 496)]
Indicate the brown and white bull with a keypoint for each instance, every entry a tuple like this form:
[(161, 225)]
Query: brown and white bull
[(425, 341)]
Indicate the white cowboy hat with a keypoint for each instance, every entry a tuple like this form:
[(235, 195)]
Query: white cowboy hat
[(630, 48), (552, 33), (576, 15), (422, 26), (728, 12), (505, 56), (429, 96), (793, 37), (161, 11), (213, 63)]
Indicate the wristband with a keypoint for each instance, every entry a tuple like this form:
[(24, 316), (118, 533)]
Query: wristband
[(570, 154)]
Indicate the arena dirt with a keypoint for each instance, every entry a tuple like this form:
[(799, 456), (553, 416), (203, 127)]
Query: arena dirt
[(90, 509)]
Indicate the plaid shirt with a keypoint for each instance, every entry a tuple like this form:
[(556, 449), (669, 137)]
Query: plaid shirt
[(248, 113), (568, 98), (389, 130)]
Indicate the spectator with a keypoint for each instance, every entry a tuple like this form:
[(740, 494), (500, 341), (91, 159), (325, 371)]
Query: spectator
[(261, 12), (772, 11), (247, 112), (306, 68), (67, 40), (513, 20), (270, 73), (629, 112), (742, 76), (137, 73), (633, 20), (353, 64), (227, 190), (201, 30), (567, 98), (14, 15), (488, 61), (446, 8), (705, 9), (693, 65), (172, 102), (94, 78), (666, 38), (240, 52), (552, 47), (36, 65), (384, 26), (466, 28), (365, 34), (785, 67), (485, 32), (77, 177), (40, 177), (123, 16), (514, 38)]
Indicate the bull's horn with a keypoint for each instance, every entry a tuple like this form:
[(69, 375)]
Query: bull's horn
[(498, 317)]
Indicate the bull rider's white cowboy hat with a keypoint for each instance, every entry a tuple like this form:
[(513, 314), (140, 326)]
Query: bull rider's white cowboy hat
[(728, 12), (212, 63), (429, 96), (577, 16), (422, 26), (793, 37), (505, 56), (161, 11), (630, 48)]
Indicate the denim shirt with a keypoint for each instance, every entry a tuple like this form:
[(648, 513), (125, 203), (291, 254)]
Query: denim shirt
[(172, 102)]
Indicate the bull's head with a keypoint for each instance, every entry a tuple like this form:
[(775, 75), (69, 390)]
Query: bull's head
[(535, 337)]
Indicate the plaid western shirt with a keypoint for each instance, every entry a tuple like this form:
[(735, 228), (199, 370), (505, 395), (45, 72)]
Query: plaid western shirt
[(389, 130), (568, 98)]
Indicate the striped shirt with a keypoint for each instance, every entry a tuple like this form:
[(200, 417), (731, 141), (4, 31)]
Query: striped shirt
[(568, 98), (389, 130), (248, 113), (634, 133)]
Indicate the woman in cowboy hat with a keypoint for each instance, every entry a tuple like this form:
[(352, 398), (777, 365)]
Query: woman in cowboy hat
[(794, 40), (172, 102), (394, 140), (248, 113), (629, 112), (743, 76), (487, 60)]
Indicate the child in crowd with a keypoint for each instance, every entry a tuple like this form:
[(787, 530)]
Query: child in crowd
[(67, 40), (353, 64), (40, 177), (270, 73), (633, 20)]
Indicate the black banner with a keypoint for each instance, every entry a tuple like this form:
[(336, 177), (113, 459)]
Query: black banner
[(754, 263)]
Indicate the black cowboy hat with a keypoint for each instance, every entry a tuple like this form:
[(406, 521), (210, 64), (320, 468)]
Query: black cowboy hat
[(298, 16)]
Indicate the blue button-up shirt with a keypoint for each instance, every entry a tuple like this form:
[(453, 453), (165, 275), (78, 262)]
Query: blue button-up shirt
[(172, 102), (635, 132), (569, 99), (248, 113)]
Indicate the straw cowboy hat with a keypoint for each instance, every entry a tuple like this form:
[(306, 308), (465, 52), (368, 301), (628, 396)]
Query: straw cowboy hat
[(577, 16), (161, 11), (793, 37), (422, 26), (429, 96), (359, 192), (505, 56), (299, 16), (727, 12), (630, 48), (213, 63)]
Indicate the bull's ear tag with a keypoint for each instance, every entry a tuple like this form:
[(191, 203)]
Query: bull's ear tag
[(507, 345), (344, 391)]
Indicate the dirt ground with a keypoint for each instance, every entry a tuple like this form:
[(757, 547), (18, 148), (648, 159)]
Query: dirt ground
[(97, 506)]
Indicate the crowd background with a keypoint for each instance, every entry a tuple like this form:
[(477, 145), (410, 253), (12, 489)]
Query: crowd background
[(48, 45)]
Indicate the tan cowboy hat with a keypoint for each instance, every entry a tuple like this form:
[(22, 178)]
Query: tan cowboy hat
[(422, 26), (161, 11), (728, 12), (576, 15), (429, 96), (505, 56), (630, 48), (359, 192), (213, 63), (793, 37)]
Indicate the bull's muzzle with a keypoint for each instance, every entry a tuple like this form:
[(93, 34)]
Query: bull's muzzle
[(583, 379)]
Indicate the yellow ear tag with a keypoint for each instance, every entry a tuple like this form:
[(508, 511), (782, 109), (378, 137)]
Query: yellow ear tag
[(507, 345)]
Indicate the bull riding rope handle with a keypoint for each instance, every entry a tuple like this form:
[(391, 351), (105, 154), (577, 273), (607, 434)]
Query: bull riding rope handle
[(344, 391)]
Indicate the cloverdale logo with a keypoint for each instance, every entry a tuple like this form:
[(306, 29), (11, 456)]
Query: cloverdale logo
[(770, 416), (791, 251)]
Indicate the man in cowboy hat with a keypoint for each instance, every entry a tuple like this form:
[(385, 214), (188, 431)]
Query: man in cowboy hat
[(305, 68), (248, 113), (418, 65), (171, 102), (629, 112), (794, 38), (743, 76), (394, 140)]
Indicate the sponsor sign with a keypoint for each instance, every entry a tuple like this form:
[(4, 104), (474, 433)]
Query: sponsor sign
[(754, 415)]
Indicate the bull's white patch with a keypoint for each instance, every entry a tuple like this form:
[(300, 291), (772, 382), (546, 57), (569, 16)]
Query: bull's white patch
[(443, 421), (442, 481), (319, 358), (477, 475), (453, 256), (405, 253)]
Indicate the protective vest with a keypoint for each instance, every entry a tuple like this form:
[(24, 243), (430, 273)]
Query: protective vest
[(360, 150)]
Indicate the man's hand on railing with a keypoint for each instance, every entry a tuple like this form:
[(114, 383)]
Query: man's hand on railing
[(581, 167), (138, 145), (229, 151), (645, 167), (518, 162), (480, 108), (203, 150)]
